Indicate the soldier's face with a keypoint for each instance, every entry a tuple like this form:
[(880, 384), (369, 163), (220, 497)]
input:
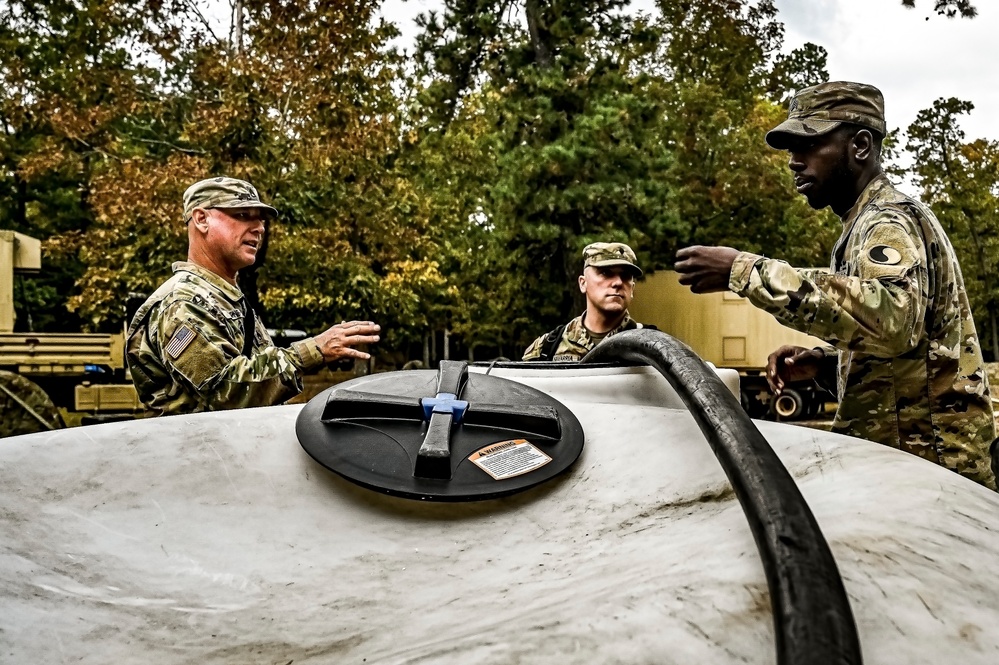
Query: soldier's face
[(608, 289), (822, 170), (235, 236)]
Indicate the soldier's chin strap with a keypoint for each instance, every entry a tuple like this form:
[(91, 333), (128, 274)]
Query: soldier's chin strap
[(249, 328)]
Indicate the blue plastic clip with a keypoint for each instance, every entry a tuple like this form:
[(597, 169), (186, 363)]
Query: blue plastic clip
[(444, 403)]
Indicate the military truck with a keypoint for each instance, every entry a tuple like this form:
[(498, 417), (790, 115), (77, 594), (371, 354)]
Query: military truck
[(729, 332), (82, 372)]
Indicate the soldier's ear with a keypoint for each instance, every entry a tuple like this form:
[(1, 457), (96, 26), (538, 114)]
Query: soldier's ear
[(863, 145), (199, 219), (582, 283)]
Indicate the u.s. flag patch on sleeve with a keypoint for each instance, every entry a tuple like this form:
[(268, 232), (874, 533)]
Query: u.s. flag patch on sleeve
[(180, 341)]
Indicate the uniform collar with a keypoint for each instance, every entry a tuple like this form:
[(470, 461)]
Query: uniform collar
[(230, 290), (625, 322), (874, 187)]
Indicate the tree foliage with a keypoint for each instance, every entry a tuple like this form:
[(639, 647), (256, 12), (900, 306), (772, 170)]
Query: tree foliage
[(76, 85), (572, 132), (949, 8), (455, 193), (302, 105), (727, 187), (610, 127), (960, 180)]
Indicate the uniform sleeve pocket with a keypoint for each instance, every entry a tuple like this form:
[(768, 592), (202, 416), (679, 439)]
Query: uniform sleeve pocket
[(200, 361)]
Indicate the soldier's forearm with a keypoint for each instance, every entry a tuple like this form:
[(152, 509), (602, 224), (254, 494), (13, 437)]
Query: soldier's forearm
[(876, 317)]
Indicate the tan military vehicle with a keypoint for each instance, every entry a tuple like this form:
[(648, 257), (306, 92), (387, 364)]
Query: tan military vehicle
[(82, 372)]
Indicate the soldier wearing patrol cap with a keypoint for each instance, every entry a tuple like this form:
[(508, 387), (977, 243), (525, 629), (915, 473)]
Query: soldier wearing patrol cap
[(894, 307), (195, 344), (608, 283)]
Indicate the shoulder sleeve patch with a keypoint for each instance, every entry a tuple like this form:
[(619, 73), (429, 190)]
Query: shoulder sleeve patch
[(182, 338), (889, 251), (885, 255)]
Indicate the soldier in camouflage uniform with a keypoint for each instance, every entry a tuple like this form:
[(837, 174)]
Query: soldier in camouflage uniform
[(608, 281), (911, 373), (188, 349)]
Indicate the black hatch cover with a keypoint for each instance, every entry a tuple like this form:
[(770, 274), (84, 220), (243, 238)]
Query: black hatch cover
[(441, 436)]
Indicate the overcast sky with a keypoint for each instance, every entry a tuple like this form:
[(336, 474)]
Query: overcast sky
[(914, 61)]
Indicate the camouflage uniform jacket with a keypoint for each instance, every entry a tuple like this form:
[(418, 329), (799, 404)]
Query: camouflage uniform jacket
[(576, 341), (184, 349), (911, 373)]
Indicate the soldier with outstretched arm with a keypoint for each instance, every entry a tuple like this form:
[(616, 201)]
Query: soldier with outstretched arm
[(196, 344), (894, 307)]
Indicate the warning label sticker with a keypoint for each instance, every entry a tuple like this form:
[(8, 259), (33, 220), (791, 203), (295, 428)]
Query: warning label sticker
[(507, 459)]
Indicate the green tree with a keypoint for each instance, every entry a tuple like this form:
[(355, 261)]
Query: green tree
[(725, 184), (301, 103), (74, 80), (949, 8), (571, 132), (452, 170), (961, 182), (596, 125), (112, 110), (804, 66)]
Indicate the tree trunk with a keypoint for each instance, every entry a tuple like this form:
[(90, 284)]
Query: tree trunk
[(237, 26), (21, 214), (542, 54)]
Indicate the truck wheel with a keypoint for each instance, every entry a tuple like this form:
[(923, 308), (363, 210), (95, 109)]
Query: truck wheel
[(25, 406), (789, 405), (752, 405), (814, 406)]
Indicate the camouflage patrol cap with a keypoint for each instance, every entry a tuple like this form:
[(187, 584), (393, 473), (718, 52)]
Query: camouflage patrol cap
[(223, 193), (601, 254), (822, 108)]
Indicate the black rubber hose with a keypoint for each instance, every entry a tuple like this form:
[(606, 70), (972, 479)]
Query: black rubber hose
[(812, 618)]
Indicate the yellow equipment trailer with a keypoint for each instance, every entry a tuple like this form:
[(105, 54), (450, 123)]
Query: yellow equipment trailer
[(728, 331)]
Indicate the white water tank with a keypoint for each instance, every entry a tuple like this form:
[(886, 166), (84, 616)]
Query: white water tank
[(214, 538)]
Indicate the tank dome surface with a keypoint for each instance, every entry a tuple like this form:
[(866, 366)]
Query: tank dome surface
[(216, 538)]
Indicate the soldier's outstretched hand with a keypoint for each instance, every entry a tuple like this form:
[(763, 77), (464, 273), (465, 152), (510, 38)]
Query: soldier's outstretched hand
[(705, 269), (792, 363), (337, 342)]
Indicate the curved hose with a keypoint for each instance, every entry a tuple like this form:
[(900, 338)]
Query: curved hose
[(812, 618)]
